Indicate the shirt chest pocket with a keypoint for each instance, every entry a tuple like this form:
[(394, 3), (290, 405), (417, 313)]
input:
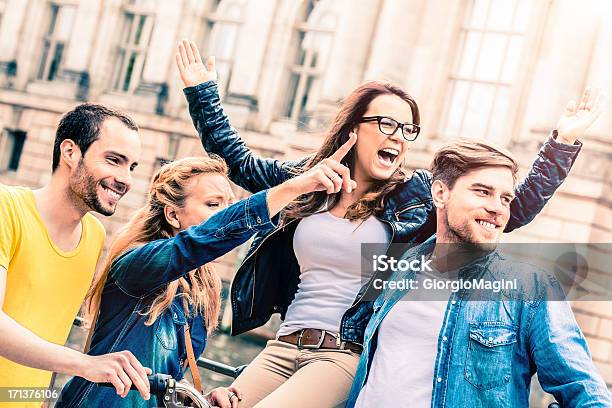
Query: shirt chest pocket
[(489, 354), (169, 323)]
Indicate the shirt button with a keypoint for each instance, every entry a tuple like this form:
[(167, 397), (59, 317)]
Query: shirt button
[(453, 302), (175, 316), (258, 220), (444, 338), (490, 338), (439, 379)]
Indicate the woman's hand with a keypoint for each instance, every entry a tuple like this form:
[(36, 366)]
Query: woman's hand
[(224, 397), (191, 68), (577, 118), (329, 175)]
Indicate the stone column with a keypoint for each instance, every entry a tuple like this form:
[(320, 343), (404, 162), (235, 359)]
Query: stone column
[(562, 64), (352, 44), (251, 46), (82, 38), (103, 56), (189, 25), (599, 73), (28, 42), (396, 33), (274, 63), (163, 41), (12, 21)]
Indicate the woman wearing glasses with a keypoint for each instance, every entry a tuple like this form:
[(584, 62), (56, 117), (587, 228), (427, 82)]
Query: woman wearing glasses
[(308, 269)]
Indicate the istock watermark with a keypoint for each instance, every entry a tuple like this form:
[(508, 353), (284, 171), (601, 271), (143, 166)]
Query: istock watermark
[(29, 394), (447, 285), (555, 272), (384, 263)]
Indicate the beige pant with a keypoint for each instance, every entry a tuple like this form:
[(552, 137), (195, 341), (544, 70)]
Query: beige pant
[(283, 376)]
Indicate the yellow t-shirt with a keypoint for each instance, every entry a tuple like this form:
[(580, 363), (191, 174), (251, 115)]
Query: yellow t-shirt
[(45, 285)]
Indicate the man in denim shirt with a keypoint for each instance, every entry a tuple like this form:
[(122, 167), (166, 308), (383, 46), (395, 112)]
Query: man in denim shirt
[(473, 351)]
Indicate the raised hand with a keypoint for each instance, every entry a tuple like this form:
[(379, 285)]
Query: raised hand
[(330, 175), (191, 68), (577, 118)]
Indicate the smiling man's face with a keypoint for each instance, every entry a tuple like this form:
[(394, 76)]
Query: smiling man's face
[(477, 208), (104, 174)]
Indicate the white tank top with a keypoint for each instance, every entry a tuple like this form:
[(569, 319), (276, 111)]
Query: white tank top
[(328, 250)]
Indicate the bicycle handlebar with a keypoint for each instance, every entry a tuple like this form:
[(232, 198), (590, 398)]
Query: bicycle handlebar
[(220, 368), (168, 391)]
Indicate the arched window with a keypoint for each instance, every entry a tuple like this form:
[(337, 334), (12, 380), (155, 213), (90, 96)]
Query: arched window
[(223, 23), (491, 48), (137, 26), (312, 42)]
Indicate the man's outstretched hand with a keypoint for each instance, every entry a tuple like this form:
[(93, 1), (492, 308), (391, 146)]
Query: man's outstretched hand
[(577, 118)]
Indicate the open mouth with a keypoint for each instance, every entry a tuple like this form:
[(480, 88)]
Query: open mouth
[(113, 195), (388, 156), (488, 225)]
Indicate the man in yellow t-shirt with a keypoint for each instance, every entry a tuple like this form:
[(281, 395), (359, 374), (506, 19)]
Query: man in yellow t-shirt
[(49, 248)]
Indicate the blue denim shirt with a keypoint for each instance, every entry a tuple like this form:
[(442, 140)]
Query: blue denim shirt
[(488, 350), (134, 281)]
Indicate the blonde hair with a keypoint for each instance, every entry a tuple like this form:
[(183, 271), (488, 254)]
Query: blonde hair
[(168, 187)]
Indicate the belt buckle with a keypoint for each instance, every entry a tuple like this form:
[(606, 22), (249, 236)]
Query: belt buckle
[(301, 346)]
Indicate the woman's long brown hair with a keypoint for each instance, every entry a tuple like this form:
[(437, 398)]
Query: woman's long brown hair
[(202, 286), (349, 115)]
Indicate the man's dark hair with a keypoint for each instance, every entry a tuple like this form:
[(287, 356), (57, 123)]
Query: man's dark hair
[(82, 126)]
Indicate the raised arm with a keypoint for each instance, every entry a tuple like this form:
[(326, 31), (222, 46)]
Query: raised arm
[(554, 160), (145, 269), (250, 172), (547, 173)]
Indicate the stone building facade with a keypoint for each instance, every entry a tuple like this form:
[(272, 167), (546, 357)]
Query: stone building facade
[(502, 70)]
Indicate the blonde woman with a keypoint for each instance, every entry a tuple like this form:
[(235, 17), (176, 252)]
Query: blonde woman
[(157, 280)]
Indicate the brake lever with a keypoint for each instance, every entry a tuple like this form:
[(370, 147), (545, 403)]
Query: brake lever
[(166, 388), (173, 388)]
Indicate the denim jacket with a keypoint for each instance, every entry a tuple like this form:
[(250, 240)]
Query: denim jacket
[(268, 278), (137, 277), (488, 350)]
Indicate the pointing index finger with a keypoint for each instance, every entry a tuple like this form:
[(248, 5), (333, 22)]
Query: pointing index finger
[(345, 148)]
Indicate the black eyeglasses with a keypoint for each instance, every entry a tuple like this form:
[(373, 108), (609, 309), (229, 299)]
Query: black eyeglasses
[(389, 126)]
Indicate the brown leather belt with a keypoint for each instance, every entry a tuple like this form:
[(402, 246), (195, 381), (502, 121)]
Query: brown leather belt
[(313, 339)]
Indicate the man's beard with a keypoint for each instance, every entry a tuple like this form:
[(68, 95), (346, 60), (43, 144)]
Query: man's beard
[(84, 186), (463, 235)]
